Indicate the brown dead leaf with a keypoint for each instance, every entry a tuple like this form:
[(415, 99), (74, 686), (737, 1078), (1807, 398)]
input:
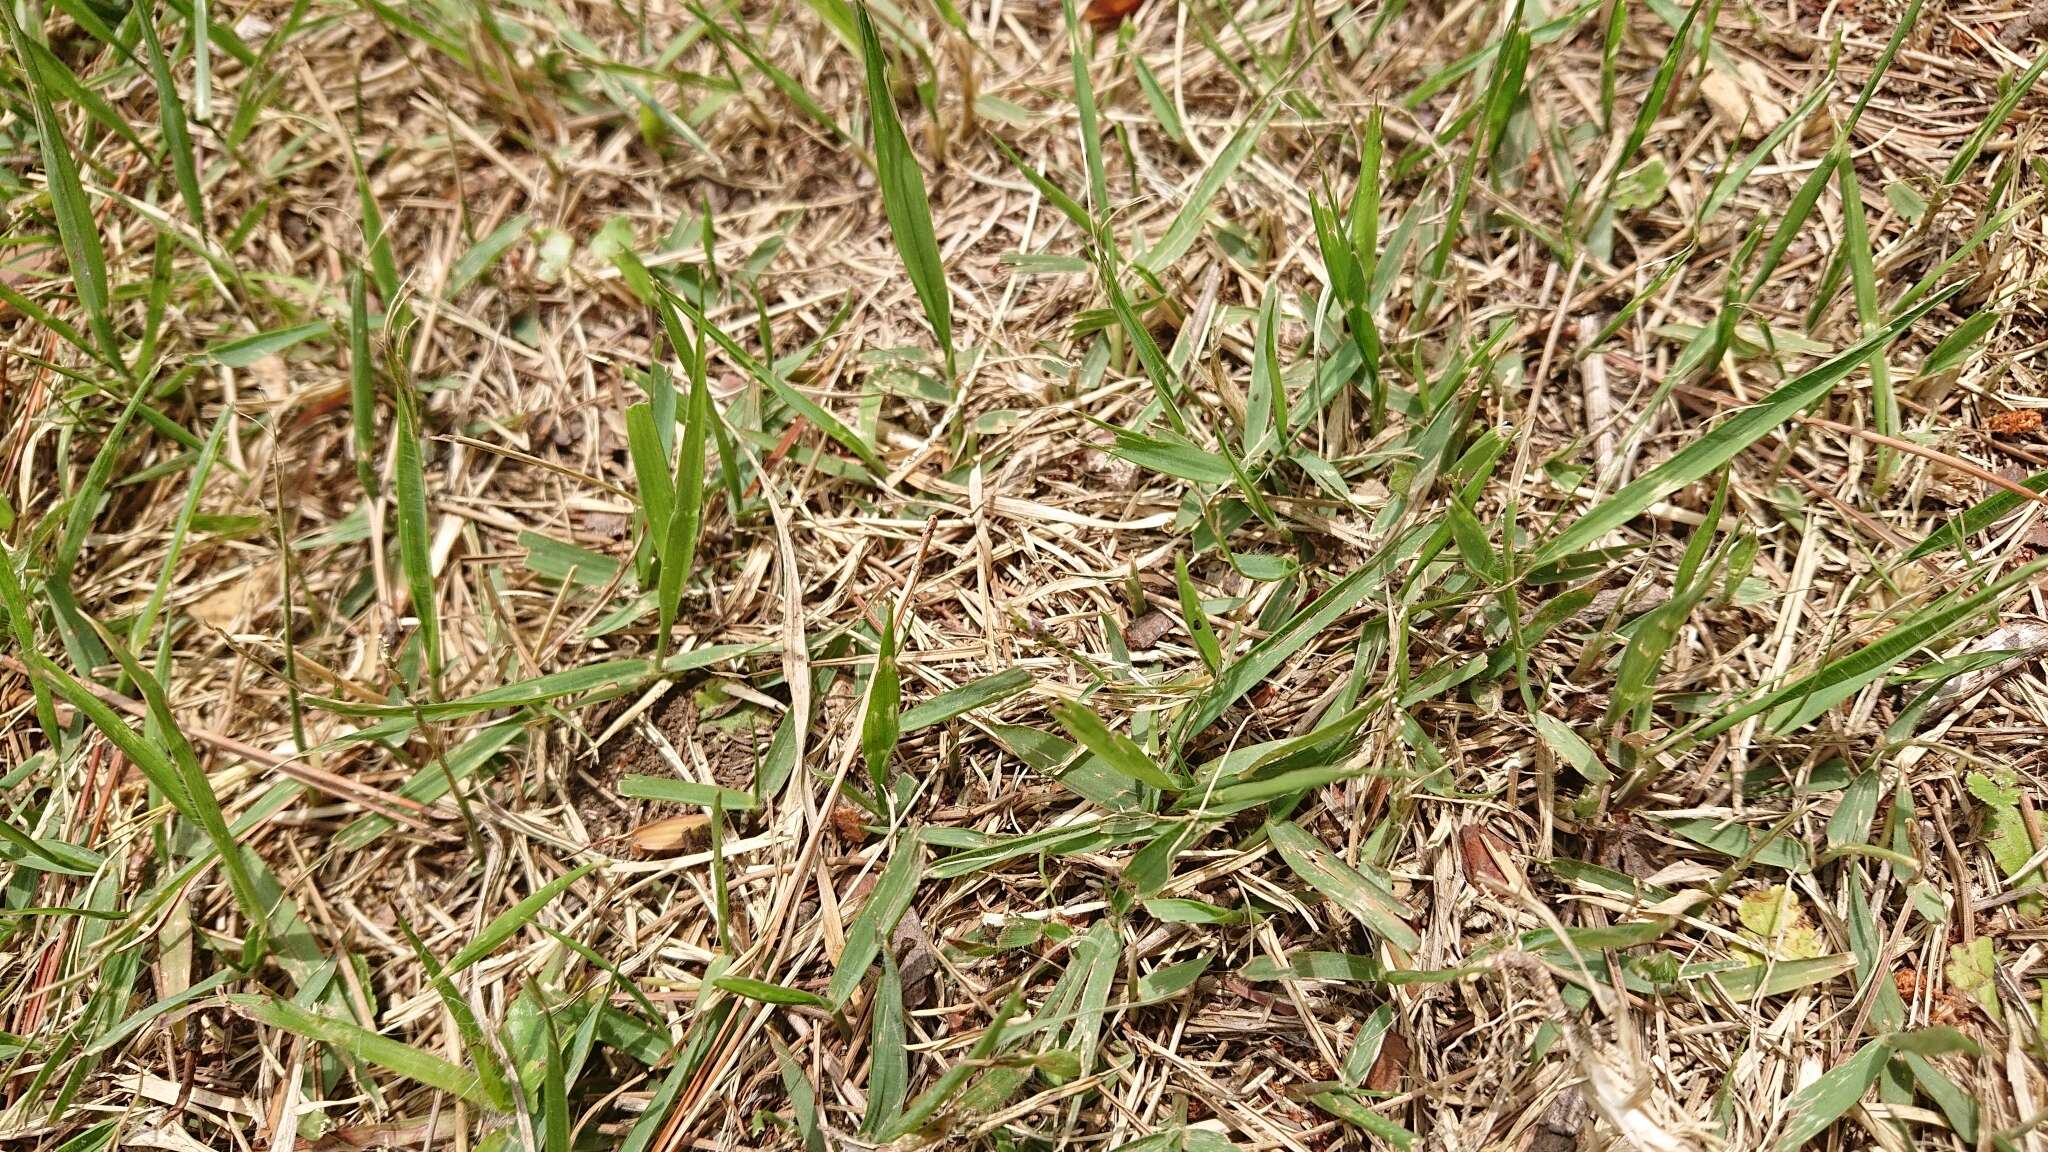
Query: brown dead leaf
[(1391, 1065), (849, 823), (1148, 629), (223, 608), (2017, 422), (1489, 862), (1741, 99), (667, 836), (1106, 14)]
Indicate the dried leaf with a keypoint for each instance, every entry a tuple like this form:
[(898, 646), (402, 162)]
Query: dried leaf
[(1106, 14), (1740, 97), (670, 835)]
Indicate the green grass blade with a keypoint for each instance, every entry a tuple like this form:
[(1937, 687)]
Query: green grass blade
[(1884, 403), (983, 693), (1196, 618), (1186, 227), (2000, 113), (686, 516), (1660, 89), (21, 621), (869, 933), (826, 422), (1266, 657), (1372, 905), (415, 532), (1814, 1108), (1114, 749), (490, 1073), (650, 472), (1976, 518), (1709, 453), (362, 388), (508, 923), (486, 253), (1868, 662), (889, 1061), (882, 714), (903, 196), (1084, 111), (1737, 175), (177, 136), (362, 1044), (168, 762)]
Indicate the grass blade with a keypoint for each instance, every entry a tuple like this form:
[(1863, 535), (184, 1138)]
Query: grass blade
[(362, 1044), (485, 253), (866, 937), (1707, 454), (686, 516), (1322, 869), (76, 227), (1114, 749), (508, 923), (1180, 235), (882, 718), (983, 693), (414, 534), (903, 196)]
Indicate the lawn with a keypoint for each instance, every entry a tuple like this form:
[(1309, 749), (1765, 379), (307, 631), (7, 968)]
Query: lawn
[(1150, 576)]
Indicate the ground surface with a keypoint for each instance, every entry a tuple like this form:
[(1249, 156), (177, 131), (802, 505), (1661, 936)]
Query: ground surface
[(1469, 579)]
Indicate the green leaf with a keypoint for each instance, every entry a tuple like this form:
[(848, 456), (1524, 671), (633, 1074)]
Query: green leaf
[(1337, 966), (1814, 1108), (508, 923), (1974, 519), (882, 717), (1170, 980), (167, 761), (687, 792), (1180, 235), (1196, 617), (1735, 841), (1708, 454), (956, 702), (1757, 981), (485, 253), (686, 516), (177, 136), (903, 195), (766, 993), (889, 1065), (1955, 348), (1116, 750), (1266, 657), (877, 918), (362, 1044), (362, 387), (1571, 748), (803, 1099), (1171, 455), (1973, 972), (415, 533), (249, 349), (1181, 911), (1831, 682), (77, 227), (1349, 1108), (1347, 887)]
